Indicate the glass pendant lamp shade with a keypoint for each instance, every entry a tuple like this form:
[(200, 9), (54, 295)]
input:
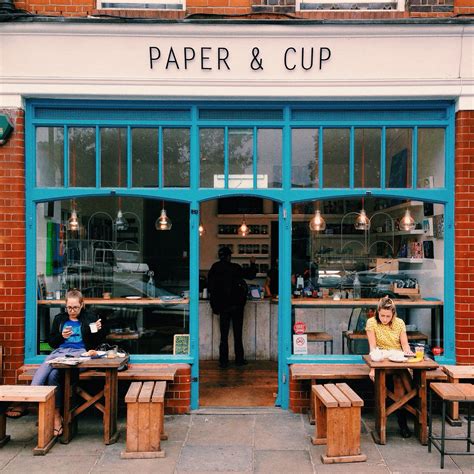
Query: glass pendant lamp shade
[(163, 222), (317, 223), (362, 222), (407, 223), (121, 223), (244, 229), (201, 229), (73, 222)]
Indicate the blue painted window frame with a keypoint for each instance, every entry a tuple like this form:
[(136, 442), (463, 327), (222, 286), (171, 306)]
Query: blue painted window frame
[(413, 114)]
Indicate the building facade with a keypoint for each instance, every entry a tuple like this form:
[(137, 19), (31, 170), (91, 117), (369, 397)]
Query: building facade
[(217, 112)]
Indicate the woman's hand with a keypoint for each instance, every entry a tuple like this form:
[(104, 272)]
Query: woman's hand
[(372, 375), (99, 324), (67, 332)]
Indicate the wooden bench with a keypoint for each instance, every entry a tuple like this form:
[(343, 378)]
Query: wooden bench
[(145, 420), (450, 392), (44, 396), (351, 336), (321, 372), (135, 372), (338, 410)]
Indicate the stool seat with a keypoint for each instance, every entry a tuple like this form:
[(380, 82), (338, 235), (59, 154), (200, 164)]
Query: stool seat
[(454, 392), (321, 336)]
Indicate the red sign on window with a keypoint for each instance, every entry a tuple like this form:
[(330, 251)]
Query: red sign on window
[(299, 327)]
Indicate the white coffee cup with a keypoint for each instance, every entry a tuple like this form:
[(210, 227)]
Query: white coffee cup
[(93, 327)]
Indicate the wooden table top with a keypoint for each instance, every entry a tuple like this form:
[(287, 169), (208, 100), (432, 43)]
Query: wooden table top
[(365, 302), (426, 364), (119, 302), (329, 371), (100, 363), (460, 371)]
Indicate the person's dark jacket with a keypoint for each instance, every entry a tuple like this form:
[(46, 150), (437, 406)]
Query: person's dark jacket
[(91, 341), (227, 286)]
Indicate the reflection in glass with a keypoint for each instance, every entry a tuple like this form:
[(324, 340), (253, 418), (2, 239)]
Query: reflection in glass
[(431, 152), (269, 154), (142, 272), (145, 157), (241, 158), (82, 157), (398, 173), (386, 260), (304, 158), (176, 157), (113, 148), (367, 157), (211, 146), (336, 157), (50, 156)]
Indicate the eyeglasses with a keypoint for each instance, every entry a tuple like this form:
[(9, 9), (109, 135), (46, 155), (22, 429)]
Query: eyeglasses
[(73, 308)]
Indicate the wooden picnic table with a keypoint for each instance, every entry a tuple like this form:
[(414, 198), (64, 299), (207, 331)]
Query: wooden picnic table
[(382, 395), (109, 393)]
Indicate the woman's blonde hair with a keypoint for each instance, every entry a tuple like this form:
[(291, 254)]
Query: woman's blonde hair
[(76, 294), (386, 303)]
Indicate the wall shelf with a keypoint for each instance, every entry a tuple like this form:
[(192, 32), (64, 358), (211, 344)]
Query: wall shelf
[(401, 232), (411, 260), (250, 255), (249, 236)]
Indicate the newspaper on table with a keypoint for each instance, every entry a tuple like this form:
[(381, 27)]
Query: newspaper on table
[(67, 360)]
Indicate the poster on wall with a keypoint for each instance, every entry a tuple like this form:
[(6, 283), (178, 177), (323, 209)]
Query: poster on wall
[(438, 226)]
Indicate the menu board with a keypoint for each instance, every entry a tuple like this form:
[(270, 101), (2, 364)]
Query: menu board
[(181, 344)]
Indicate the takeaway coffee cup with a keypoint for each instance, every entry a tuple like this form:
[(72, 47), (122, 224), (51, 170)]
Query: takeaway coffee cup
[(93, 327)]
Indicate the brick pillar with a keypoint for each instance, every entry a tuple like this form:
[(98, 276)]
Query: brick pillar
[(464, 237), (12, 246), (178, 393), (463, 7)]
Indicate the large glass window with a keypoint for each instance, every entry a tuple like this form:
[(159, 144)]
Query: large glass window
[(133, 276), (431, 152), (367, 148), (50, 156), (269, 158), (113, 158), (305, 158), (241, 158), (176, 155), (340, 271), (336, 157), (211, 142), (82, 152), (145, 157), (398, 159)]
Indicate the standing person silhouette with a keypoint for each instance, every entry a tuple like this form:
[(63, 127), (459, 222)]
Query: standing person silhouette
[(228, 295)]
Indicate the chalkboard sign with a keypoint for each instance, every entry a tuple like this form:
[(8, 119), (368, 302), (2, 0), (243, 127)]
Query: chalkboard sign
[(181, 344)]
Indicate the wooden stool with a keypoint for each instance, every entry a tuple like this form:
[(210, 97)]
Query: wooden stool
[(44, 396), (338, 422), (145, 420), (321, 337), (455, 374), (450, 392)]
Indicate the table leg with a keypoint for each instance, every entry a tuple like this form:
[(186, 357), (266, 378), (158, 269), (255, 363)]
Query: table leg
[(67, 409), (110, 403), (379, 434), (421, 421), (453, 408)]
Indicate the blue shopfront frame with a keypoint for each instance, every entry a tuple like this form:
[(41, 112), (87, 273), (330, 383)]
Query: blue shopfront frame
[(282, 115)]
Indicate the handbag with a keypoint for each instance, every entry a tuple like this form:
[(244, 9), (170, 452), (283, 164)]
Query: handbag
[(108, 347)]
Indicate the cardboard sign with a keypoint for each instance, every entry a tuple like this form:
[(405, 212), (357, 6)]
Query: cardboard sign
[(181, 344), (300, 344)]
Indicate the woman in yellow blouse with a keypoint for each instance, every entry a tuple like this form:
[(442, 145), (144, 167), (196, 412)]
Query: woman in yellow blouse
[(387, 331)]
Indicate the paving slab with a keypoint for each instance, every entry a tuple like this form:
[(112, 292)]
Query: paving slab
[(285, 431), (76, 464), (222, 430), (215, 459), (283, 462)]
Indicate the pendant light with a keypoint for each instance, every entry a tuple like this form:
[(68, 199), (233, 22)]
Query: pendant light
[(317, 223), (201, 229), (163, 222), (407, 223), (121, 224), (362, 222), (244, 229), (73, 221)]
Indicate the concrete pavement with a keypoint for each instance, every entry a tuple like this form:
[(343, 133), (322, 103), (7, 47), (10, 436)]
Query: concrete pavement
[(225, 440)]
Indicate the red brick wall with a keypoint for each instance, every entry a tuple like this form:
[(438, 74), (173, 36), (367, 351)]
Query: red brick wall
[(464, 246), (12, 246), (255, 9), (178, 393)]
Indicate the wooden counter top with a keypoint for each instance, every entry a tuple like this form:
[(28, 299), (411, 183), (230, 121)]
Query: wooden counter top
[(119, 302)]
